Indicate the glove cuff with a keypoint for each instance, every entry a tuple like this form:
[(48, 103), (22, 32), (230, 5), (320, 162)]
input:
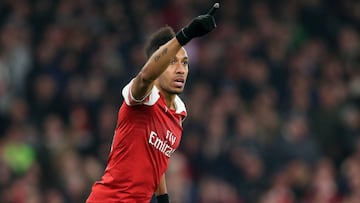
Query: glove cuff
[(182, 38), (163, 198)]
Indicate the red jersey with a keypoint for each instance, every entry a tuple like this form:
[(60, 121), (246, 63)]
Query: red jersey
[(146, 135)]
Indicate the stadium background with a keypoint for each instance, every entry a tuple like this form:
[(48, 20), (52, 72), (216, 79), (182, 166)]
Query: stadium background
[(273, 97)]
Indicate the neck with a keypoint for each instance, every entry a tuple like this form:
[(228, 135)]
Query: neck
[(169, 98)]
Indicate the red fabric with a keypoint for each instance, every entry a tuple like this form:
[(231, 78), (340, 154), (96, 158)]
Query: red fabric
[(145, 137)]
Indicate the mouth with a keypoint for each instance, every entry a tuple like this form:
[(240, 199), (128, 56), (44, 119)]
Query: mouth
[(179, 82)]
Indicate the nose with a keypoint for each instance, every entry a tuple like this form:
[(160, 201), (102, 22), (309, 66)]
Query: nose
[(180, 68)]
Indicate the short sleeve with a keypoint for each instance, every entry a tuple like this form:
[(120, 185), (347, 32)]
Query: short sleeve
[(149, 99)]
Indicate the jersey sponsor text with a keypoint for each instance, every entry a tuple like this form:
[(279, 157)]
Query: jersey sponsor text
[(162, 145)]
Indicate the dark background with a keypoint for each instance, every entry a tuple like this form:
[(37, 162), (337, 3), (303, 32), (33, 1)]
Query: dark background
[(273, 98)]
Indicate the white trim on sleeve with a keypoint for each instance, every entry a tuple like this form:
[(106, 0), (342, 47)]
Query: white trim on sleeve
[(150, 99)]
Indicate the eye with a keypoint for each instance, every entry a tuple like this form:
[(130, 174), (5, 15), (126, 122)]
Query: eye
[(185, 63), (172, 62)]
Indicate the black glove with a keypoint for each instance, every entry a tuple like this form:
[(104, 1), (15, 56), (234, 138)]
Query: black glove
[(199, 26), (163, 198)]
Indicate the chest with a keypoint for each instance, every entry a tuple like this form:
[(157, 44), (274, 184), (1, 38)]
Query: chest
[(165, 127)]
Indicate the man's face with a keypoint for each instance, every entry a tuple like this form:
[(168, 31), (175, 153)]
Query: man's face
[(173, 79)]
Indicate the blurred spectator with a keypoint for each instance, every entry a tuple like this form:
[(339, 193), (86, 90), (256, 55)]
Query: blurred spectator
[(324, 187), (296, 142)]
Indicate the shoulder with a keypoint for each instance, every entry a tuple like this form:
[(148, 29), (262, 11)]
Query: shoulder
[(149, 99), (180, 108)]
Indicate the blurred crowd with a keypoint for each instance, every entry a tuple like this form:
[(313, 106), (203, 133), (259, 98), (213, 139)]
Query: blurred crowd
[(273, 98)]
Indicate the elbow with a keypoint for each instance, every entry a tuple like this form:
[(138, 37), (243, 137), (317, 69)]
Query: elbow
[(146, 79)]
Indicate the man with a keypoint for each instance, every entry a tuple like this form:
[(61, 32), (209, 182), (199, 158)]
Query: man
[(149, 127)]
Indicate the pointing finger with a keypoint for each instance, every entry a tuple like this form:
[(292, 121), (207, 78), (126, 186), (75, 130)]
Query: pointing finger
[(213, 9)]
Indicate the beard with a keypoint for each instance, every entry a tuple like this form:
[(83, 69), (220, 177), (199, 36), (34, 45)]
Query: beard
[(168, 89), (168, 86), (173, 90)]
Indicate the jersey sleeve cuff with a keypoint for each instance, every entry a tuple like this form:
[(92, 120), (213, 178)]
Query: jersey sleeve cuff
[(129, 98)]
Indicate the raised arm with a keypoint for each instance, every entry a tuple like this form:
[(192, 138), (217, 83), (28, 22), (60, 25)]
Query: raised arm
[(160, 59), (153, 68)]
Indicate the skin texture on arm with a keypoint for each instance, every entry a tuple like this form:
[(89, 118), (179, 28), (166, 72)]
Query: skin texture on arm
[(161, 189), (153, 68)]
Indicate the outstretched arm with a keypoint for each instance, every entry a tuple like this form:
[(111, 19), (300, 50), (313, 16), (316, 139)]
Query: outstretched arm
[(160, 60), (153, 68)]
